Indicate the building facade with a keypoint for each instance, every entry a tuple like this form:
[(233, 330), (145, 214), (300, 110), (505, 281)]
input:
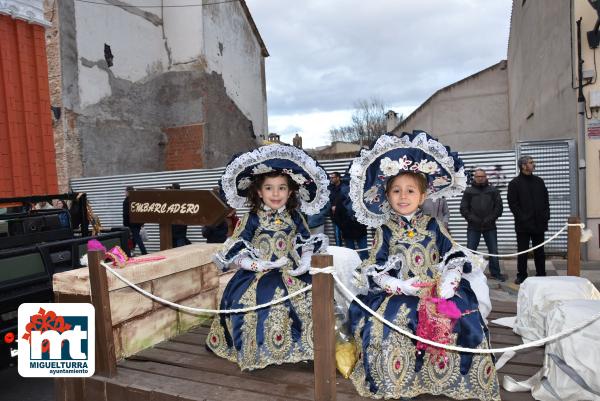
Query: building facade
[(27, 158), (532, 96), (153, 88), (471, 114)]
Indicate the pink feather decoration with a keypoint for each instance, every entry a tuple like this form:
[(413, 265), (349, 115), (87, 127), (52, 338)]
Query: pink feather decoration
[(447, 308), (95, 245)]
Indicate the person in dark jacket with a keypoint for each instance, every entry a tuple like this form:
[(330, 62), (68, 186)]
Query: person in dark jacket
[(316, 222), (178, 231), (215, 234), (135, 228), (354, 234), (335, 184), (528, 202), (481, 206)]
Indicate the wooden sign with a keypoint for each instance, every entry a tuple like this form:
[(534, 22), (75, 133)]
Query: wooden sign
[(175, 206)]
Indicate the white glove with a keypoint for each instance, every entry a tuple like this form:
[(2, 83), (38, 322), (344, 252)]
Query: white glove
[(393, 285), (304, 264), (247, 263), (449, 283)]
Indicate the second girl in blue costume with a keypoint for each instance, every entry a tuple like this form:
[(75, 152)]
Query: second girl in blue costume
[(416, 278)]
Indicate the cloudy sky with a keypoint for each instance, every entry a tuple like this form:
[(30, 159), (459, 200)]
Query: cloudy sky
[(327, 54)]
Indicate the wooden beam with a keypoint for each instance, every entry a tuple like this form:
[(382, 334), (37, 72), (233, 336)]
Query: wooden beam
[(574, 247), (106, 362), (166, 236), (323, 330)]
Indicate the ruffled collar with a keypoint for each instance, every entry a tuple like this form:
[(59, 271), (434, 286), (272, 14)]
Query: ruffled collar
[(271, 211), (409, 220)]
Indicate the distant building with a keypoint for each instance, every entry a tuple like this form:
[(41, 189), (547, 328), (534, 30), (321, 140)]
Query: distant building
[(471, 114), (274, 138), (336, 150)]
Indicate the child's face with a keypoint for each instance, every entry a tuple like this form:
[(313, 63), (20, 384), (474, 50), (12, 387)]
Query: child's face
[(274, 192), (404, 195)]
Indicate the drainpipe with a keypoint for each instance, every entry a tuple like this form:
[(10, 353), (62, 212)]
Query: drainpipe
[(581, 137)]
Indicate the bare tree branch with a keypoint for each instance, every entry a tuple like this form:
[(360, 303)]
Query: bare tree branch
[(368, 123)]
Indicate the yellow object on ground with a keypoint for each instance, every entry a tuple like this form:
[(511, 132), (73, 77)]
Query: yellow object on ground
[(345, 357)]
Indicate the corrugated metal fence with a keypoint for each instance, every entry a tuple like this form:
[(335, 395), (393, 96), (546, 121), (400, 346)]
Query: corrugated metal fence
[(106, 193)]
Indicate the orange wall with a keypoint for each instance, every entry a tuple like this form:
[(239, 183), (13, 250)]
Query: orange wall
[(27, 157)]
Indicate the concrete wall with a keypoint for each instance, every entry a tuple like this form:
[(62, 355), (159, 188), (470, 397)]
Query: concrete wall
[(160, 80), (543, 104), (241, 64), (587, 13), (471, 114)]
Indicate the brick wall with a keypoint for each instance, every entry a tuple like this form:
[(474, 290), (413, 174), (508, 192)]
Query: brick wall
[(27, 157), (184, 147)]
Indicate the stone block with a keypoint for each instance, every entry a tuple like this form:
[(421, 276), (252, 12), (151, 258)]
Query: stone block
[(223, 280), (206, 300), (142, 333), (210, 276), (179, 285), (117, 341), (126, 303)]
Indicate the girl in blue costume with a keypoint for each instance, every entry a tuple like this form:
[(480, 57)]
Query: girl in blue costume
[(416, 278), (271, 248)]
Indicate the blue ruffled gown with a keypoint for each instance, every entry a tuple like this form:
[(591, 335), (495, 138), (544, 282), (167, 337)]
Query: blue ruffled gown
[(281, 333), (389, 364)]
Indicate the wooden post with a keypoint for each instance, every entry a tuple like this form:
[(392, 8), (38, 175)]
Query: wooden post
[(323, 330), (166, 236), (573, 247), (106, 361)]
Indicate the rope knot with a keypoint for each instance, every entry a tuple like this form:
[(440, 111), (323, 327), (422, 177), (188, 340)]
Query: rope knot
[(323, 270)]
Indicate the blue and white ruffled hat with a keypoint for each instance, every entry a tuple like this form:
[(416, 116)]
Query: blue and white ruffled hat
[(301, 167), (417, 152)]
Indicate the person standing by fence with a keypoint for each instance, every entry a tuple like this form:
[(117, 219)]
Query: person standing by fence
[(529, 203), (481, 206)]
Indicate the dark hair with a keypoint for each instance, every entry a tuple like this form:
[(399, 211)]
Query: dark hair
[(255, 201), (336, 174), (129, 188), (176, 185), (523, 161), (418, 177)]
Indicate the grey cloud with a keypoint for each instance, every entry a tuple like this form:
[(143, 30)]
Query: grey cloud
[(327, 54)]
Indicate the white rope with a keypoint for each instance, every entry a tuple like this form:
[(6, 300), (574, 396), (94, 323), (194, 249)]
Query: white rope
[(580, 225), (202, 310), (331, 270), (536, 343)]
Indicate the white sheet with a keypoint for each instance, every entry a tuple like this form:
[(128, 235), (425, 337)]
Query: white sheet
[(580, 351), (537, 297)]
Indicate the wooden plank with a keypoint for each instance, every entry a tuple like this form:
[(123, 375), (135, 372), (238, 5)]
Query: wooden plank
[(518, 369), (94, 390), (574, 248), (323, 330), (181, 355), (502, 340), (289, 391), (157, 385), (166, 236), (106, 361)]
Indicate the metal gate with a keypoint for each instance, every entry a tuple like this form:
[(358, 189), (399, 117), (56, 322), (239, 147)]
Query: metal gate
[(106, 193)]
